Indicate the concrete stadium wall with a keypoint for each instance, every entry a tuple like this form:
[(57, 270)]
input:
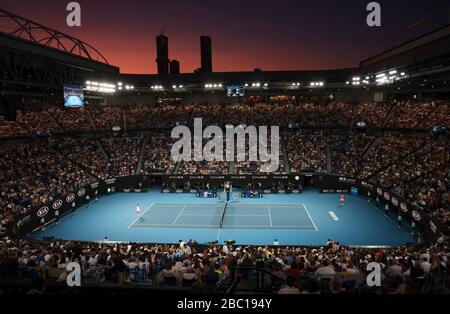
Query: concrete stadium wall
[(129, 100), (211, 98), (349, 96)]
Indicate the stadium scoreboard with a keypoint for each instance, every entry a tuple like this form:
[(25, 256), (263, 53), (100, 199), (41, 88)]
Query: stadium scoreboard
[(73, 96), (235, 91)]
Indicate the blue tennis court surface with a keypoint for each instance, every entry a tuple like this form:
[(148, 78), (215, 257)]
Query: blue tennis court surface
[(208, 216), (310, 218)]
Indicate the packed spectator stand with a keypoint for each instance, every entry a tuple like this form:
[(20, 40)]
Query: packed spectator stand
[(39, 267), (381, 154), (396, 149)]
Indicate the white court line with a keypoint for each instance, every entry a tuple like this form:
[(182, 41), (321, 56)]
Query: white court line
[(242, 226), (240, 230), (167, 226), (209, 215), (141, 215), (231, 204), (179, 215), (183, 204), (246, 228), (307, 212), (270, 216)]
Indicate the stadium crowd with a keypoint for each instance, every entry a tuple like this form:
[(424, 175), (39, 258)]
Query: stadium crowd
[(33, 174), (86, 152), (415, 165), (123, 155), (422, 177), (156, 158), (307, 152), (347, 152), (32, 266), (106, 118), (396, 115), (38, 121)]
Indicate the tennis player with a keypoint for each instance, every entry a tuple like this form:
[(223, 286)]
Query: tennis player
[(138, 210), (342, 199)]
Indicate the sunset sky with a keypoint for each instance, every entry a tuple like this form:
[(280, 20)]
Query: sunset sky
[(272, 35)]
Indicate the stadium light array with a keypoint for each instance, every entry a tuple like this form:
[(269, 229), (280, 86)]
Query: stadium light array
[(390, 77), (213, 85), (100, 87), (316, 84), (157, 87), (382, 80), (103, 87), (356, 81)]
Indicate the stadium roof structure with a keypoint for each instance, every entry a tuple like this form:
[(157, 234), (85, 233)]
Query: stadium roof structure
[(37, 60), (426, 39), (18, 26), (424, 26)]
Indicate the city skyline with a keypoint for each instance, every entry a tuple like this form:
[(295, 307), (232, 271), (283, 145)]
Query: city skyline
[(288, 35)]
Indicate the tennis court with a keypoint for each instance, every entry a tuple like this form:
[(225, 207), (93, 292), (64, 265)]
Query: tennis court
[(257, 221), (293, 217)]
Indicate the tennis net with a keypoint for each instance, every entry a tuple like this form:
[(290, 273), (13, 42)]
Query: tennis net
[(223, 214)]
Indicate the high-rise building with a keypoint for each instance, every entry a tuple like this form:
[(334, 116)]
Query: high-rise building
[(174, 67), (162, 52), (206, 54)]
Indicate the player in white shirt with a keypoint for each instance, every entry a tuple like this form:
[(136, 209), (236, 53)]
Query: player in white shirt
[(138, 210)]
